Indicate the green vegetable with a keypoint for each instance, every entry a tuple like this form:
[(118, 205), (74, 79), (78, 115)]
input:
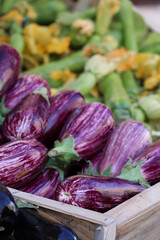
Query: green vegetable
[(117, 35), (100, 66), (137, 114), (84, 83), (67, 18), (153, 48), (48, 10), (75, 62), (103, 17), (88, 99), (141, 28), (129, 84), (95, 38), (115, 97), (77, 40), (127, 19), (16, 38), (6, 6), (152, 38), (151, 106), (116, 25)]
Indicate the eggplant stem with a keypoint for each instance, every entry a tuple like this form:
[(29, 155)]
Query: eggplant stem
[(52, 153)]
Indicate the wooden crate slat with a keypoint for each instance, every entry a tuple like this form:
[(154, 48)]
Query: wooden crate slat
[(145, 226), (88, 215)]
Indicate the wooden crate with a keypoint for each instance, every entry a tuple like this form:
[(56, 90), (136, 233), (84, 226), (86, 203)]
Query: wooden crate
[(137, 218)]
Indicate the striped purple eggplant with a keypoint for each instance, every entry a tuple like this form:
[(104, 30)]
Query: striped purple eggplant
[(94, 161), (25, 85), (28, 119), (128, 140), (61, 106), (148, 166), (21, 161), (96, 193), (10, 66), (44, 184), (88, 127), (2, 141)]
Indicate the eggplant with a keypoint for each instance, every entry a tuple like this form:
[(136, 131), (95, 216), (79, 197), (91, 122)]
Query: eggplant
[(96, 193), (28, 119), (44, 184), (128, 140), (61, 106), (25, 85), (144, 169), (21, 161), (2, 140), (10, 66), (94, 161), (84, 133), (8, 212), (34, 224)]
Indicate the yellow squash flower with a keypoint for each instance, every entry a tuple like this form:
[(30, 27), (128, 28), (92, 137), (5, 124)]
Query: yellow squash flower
[(59, 45), (148, 69), (65, 75), (13, 15)]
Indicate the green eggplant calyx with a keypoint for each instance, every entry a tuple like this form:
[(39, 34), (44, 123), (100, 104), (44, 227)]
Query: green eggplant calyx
[(132, 172), (3, 110), (64, 151), (43, 92), (23, 203), (93, 172)]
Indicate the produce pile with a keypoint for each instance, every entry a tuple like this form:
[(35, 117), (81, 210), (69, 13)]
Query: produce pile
[(80, 103)]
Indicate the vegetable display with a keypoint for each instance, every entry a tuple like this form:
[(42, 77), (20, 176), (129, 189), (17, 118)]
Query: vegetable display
[(79, 109)]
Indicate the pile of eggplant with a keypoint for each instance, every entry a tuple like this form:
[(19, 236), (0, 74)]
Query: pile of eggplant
[(65, 149)]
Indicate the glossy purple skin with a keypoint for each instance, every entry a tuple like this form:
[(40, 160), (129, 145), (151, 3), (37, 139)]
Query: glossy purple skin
[(62, 104), (44, 184), (150, 169), (21, 161), (2, 141), (25, 85), (128, 139), (90, 127), (95, 160), (10, 66), (28, 119), (96, 193)]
